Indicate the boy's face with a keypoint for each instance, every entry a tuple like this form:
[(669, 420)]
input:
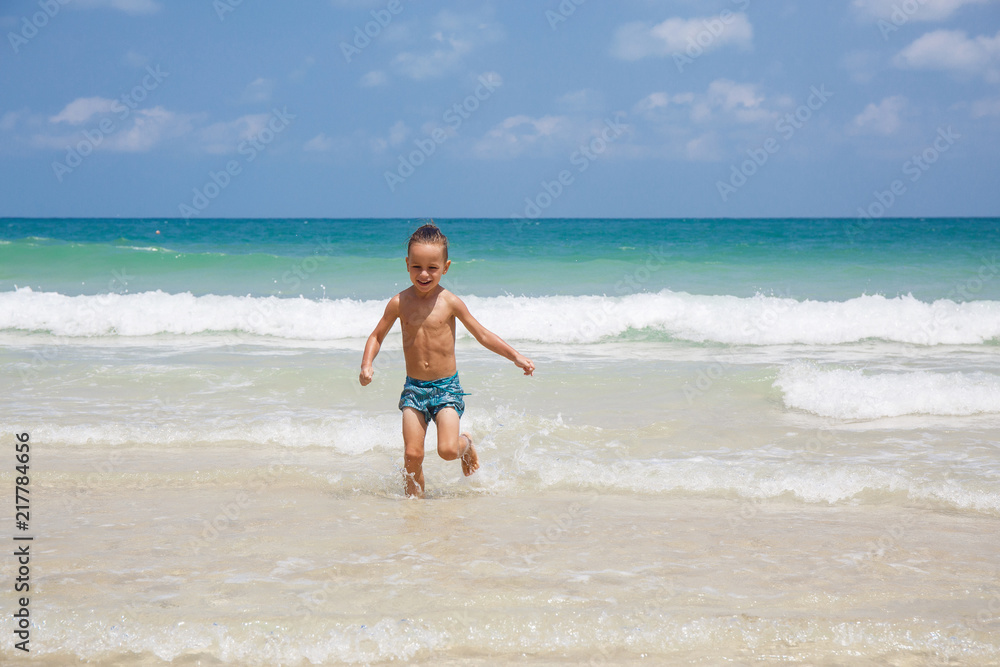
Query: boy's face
[(426, 264)]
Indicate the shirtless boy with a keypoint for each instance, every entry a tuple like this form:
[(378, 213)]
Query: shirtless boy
[(427, 312)]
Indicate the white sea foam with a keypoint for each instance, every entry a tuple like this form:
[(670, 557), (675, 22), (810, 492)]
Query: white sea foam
[(627, 627), (756, 480), (353, 436), (388, 640), (759, 320), (370, 446), (854, 394)]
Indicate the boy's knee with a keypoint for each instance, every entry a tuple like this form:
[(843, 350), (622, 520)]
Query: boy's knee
[(414, 454), (449, 450)]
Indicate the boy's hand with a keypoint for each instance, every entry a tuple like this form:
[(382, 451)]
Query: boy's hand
[(367, 372), (524, 363)]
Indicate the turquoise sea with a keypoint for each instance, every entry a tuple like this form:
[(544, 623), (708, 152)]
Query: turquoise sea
[(835, 259), (746, 442)]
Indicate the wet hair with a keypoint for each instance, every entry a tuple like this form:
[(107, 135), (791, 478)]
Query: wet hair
[(431, 235)]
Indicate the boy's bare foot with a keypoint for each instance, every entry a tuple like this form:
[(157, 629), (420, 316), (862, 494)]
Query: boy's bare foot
[(470, 462), (413, 489)]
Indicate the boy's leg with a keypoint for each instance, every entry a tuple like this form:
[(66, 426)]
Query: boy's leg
[(414, 432), (451, 445)]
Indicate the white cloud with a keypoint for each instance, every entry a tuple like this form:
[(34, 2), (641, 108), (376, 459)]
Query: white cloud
[(686, 125), (300, 72), (454, 36), (659, 105), (122, 129), (704, 148), (257, 91), (653, 101), (551, 135), (583, 100), (521, 134), (82, 109), (436, 63), (926, 10), (740, 102), (319, 144), (882, 118), (9, 120), (690, 37), (135, 60), (734, 96), (148, 127), (398, 133), (954, 51), (373, 79), (983, 108), (133, 7), (225, 137), (712, 124), (862, 65)]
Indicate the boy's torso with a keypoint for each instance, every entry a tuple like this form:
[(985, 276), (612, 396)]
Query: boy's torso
[(428, 326)]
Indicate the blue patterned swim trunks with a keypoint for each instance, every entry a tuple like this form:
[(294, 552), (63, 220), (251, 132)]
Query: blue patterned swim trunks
[(429, 396)]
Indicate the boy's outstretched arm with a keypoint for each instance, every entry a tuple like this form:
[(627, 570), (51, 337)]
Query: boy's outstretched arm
[(374, 343), (488, 339)]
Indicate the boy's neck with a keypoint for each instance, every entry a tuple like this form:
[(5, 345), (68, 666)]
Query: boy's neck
[(432, 293)]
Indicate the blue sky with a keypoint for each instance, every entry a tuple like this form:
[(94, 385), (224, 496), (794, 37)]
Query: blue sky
[(552, 108)]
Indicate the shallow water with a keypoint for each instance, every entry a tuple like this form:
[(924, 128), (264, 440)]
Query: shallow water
[(689, 478)]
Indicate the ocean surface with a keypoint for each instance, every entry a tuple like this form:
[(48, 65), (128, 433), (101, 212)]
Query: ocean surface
[(746, 442)]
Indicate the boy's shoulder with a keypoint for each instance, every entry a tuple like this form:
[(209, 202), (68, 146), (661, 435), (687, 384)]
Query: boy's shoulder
[(403, 297), (450, 298)]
